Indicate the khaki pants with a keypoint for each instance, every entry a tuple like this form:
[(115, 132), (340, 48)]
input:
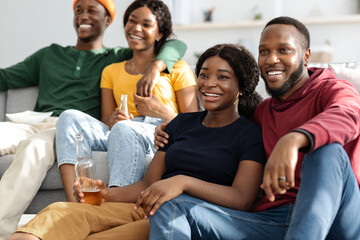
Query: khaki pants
[(78, 221), (34, 156)]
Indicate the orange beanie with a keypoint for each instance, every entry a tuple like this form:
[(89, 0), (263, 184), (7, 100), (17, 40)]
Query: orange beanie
[(108, 4)]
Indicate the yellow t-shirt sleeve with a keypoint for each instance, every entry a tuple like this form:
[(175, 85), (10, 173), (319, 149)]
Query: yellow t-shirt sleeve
[(106, 78), (182, 76)]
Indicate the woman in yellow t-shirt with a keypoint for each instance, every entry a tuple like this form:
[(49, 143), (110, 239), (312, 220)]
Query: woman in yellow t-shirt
[(128, 137)]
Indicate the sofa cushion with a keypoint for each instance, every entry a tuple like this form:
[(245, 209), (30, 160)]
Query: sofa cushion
[(2, 105), (348, 71), (44, 198), (53, 178), (21, 99)]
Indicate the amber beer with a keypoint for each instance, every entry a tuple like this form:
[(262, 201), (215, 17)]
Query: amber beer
[(86, 173), (92, 196)]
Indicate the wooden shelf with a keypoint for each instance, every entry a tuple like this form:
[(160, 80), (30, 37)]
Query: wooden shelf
[(346, 19)]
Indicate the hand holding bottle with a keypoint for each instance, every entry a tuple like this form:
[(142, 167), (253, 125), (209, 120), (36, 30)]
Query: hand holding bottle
[(86, 173), (120, 114), (80, 196)]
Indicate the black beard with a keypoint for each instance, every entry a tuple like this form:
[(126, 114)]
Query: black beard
[(287, 85)]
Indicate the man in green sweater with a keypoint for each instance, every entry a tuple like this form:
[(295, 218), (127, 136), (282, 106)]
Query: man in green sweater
[(67, 78)]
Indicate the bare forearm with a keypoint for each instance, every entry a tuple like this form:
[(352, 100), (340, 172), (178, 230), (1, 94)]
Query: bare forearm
[(166, 115), (106, 121), (128, 193), (146, 84), (282, 162), (295, 139), (158, 65), (226, 196)]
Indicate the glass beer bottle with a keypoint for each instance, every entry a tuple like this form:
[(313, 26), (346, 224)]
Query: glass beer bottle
[(85, 172), (123, 104)]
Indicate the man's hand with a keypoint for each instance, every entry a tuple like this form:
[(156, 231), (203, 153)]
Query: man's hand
[(145, 85), (161, 137), (148, 106), (279, 173)]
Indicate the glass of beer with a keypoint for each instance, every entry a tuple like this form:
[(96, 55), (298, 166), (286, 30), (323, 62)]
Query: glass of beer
[(91, 193)]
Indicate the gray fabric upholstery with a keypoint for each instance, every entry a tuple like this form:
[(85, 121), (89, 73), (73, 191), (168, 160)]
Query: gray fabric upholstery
[(51, 190), (21, 99), (2, 105)]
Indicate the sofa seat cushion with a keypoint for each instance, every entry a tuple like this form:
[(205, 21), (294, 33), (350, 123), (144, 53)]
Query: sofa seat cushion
[(52, 180)]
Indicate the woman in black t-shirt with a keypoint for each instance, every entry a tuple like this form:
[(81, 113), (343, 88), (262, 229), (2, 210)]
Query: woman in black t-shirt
[(215, 155)]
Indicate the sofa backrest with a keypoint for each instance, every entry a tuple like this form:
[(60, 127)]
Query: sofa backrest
[(349, 71), (17, 100), (2, 105)]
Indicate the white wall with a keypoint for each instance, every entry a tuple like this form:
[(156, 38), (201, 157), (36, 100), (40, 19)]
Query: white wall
[(236, 10), (28, 25), (344, 39)]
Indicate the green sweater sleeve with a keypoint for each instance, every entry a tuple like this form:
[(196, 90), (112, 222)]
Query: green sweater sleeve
[(22, 74), (171, 52)]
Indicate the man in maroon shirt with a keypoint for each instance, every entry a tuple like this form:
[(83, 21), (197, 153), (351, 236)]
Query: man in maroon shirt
[(310, 130)]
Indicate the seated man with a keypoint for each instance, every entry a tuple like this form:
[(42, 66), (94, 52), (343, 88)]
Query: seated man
[(68, 78), (310, 129)]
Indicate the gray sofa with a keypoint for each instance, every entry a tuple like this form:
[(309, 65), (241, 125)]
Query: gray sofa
[(51, 189)]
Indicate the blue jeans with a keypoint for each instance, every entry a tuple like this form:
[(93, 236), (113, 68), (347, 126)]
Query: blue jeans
[(327, 206), (127, 144)]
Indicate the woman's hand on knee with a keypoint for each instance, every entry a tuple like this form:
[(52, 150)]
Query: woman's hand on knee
[(158, 193)]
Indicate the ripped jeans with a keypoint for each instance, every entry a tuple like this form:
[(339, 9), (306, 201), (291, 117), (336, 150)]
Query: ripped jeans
[(128, 143)]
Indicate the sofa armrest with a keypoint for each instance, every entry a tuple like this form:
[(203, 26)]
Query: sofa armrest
[(2, 105), (21, 99)]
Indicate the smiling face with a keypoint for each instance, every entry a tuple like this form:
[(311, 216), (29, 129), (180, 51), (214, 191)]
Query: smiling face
[(141, 30), (217, 85), (90, 20), (281, 60)]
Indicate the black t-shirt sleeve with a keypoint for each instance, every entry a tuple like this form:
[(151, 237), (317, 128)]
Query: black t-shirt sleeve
[(170, 130)]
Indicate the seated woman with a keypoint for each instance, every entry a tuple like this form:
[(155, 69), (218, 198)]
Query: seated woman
[(216, 155), (147, 26)]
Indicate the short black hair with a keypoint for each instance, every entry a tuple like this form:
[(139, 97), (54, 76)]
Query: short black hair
[(245, 69), (163, 17), (297, 24)]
